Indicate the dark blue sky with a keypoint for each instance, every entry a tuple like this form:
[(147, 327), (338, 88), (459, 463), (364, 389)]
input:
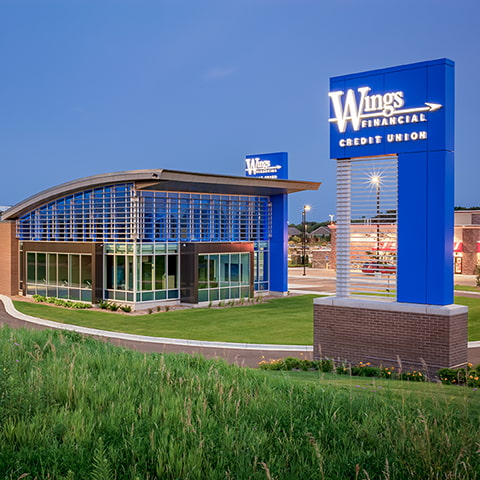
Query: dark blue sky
[(94, 86)]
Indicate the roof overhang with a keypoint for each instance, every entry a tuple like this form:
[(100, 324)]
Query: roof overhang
[(164, 180)]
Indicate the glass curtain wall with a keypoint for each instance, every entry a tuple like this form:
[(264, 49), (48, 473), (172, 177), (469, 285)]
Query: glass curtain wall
[(188, 217), (99, 215), (154, 266), (261, 279), (141, 231), (59, 275), (110, 214), (223, 276)]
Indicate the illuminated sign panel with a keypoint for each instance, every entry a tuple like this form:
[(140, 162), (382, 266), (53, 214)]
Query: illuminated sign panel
[(390, 111), (267, 165), (407, 111)]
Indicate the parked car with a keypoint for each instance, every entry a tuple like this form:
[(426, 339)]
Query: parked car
[(384, 268)]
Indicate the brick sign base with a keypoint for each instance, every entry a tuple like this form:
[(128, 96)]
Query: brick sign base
[(389, 333)]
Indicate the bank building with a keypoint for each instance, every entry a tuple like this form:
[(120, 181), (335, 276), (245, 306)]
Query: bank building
[(146, 237)]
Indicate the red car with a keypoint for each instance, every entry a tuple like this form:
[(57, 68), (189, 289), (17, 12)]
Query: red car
[(373, 268)]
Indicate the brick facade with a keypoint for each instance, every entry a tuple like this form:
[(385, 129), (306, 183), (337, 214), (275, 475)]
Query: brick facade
[(321, 259), (333, 243), (470, 237), (8, 259), (468, 234), (381, 332)]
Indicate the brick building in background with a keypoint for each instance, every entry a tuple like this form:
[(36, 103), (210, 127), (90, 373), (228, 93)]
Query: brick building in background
[(467, 241), (466, 247)]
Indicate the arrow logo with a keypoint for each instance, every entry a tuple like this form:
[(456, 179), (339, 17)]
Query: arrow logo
[(387, 105)]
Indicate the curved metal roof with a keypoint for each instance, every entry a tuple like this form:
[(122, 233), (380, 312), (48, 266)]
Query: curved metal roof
[(161, 179)]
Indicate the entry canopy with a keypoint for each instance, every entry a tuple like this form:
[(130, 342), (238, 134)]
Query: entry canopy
[(165, 180)]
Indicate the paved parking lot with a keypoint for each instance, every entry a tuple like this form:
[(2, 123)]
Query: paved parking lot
[(323, 281)]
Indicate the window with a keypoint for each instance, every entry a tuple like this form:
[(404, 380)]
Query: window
[(59, 275), (223, 276)]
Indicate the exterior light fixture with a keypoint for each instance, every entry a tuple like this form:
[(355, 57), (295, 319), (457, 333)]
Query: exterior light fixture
[(306, 208)]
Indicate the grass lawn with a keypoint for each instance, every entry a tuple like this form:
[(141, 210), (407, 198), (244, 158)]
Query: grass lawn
[(467, 288), (284, 321), (74, 408), (473, 305)]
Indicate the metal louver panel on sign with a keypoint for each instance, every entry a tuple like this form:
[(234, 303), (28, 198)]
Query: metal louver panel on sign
[(367, 211)]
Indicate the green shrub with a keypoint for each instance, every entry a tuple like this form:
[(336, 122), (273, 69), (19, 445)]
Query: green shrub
[(81, 305), (413, 376), (365, 371), (469, 376), (451, 376), (343, 370), (323, 365), (126, 308), (39, 298), (60, 302), (359, 370), (477, 273), (387, 372), (112, 306), (272, 364), (292, 363), (103, 304)]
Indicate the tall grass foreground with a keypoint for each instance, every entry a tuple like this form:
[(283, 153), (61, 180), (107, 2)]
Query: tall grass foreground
[(76, 408)]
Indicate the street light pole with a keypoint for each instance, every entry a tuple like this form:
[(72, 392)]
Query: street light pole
[(306, 208), (376, 182), (378, 222)]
